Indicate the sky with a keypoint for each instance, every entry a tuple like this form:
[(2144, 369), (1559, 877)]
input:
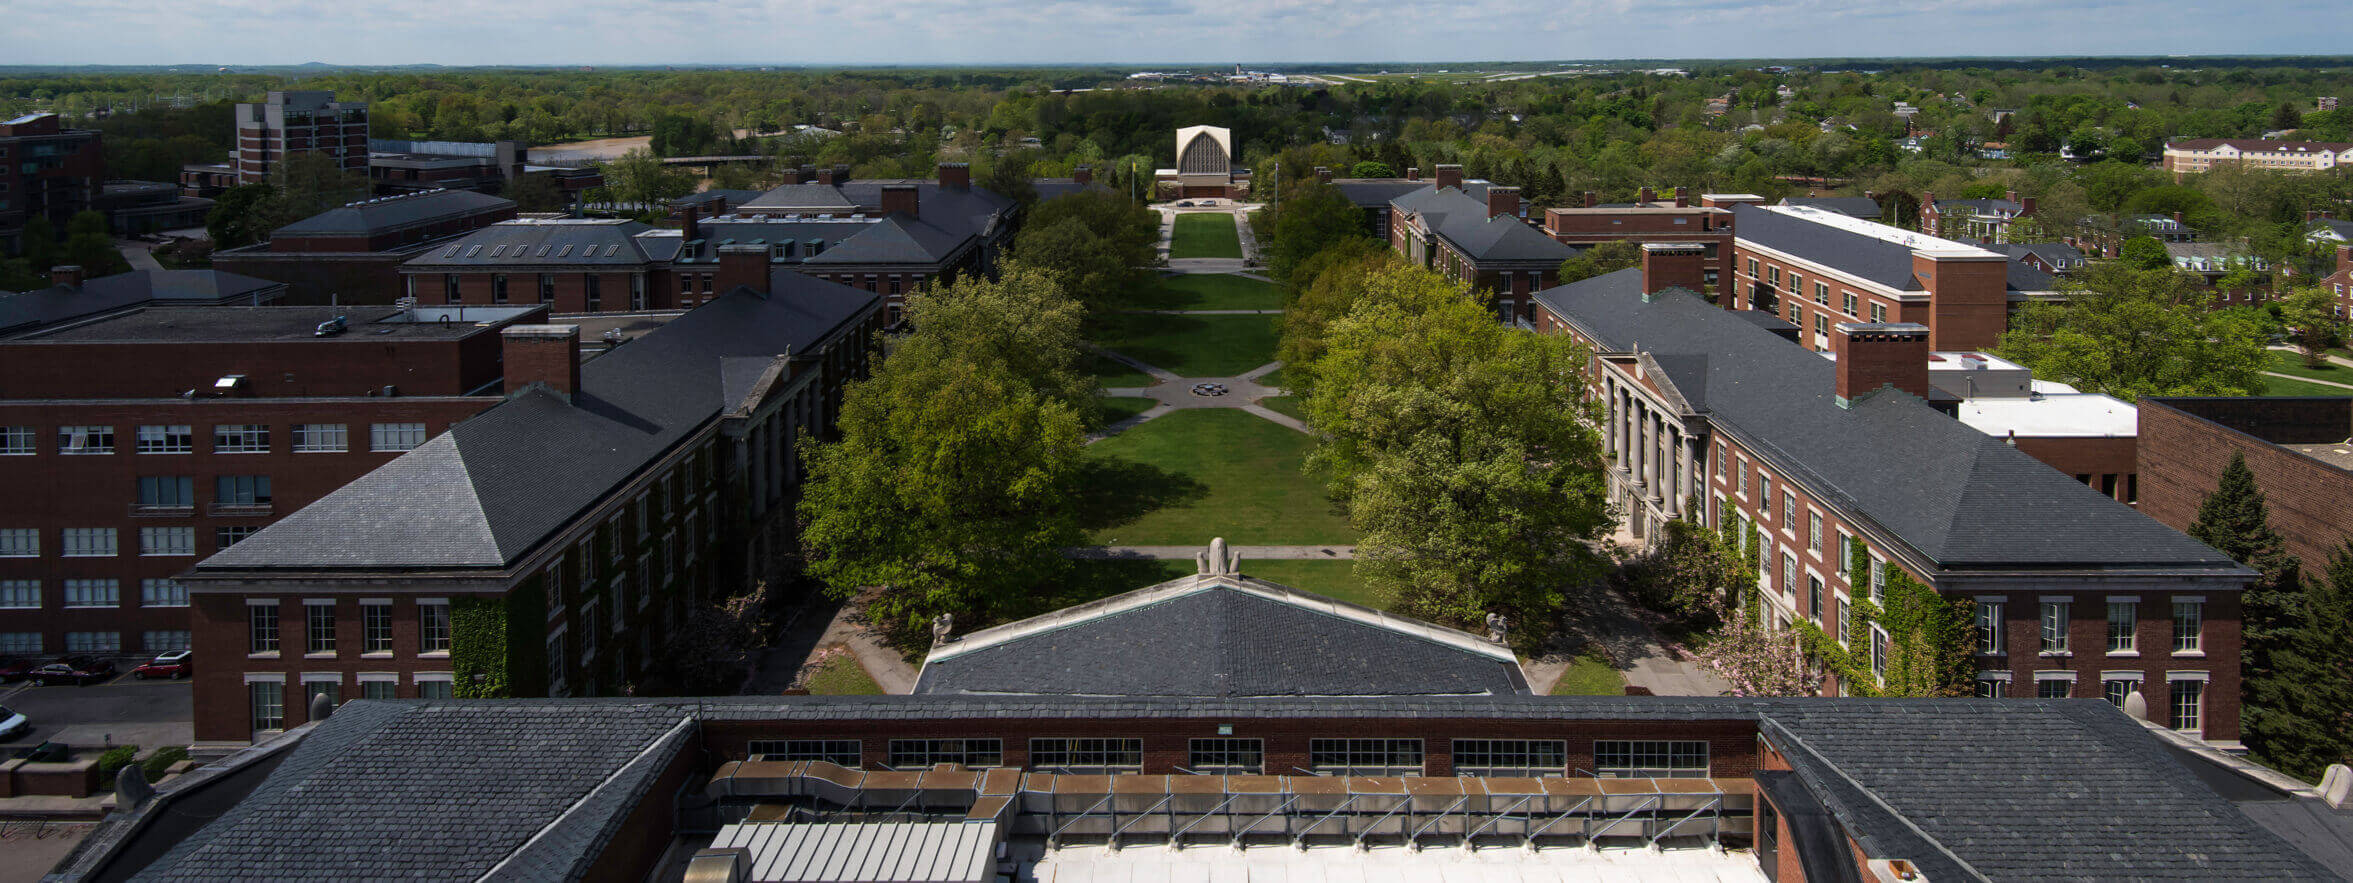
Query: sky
[(1135, 32)]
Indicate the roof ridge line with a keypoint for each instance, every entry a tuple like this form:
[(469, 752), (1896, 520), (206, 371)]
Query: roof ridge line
[(684, 722), (1765, 718)]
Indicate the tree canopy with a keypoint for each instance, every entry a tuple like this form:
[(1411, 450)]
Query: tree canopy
[(2131, 332)]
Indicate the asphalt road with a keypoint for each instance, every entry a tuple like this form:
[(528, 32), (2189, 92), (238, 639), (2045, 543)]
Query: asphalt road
[(133, 712)]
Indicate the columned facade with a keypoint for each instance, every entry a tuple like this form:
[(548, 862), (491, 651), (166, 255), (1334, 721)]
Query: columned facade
[(1655, 454)]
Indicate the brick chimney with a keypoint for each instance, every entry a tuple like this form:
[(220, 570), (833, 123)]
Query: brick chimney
[(2345, 257), (66, 276), (825, 176), (692, 228), (1413, 173), (542, 355), (1503, 201), (1647, 195), (955, 176), (1871, 356), (1082, 176), (742, 265), (1450, 175), (1674, 265), (2313, 214), (900, 199), (1592, 199), (841, 173), (1682, 197), (2177, 218), (2011, 195)]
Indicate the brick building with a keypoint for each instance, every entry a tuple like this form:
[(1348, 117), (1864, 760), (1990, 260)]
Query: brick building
[(1982, 220), (2340, 281), (813, 788), (884, 236), (353, 254), (288, 123), (2075, 593), (142, 437), (1472, 232), (48, 171), (2103, 236), (1817, 269), (2199, 154), (1705, 221), (396, 167), (1372, 196), (552, 539), (2296, 447)]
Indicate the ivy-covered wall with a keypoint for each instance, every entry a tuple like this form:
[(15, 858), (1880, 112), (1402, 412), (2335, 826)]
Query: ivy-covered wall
[(1929, 637), (498, 645)]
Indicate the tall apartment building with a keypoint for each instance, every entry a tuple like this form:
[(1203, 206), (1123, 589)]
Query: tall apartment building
[(46, 170), (553, 539), (2199, 154), (1819, 268), (2075, 594), (139, 434), (288, 123)]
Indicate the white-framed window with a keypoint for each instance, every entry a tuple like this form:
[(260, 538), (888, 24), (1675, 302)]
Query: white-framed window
[(1878, 581), (2124, 621), (93, 642), (155, 592), (316, 684), (1989, 627), (1650, 758), (1879, 652), (2055, 620), (908, 754), (224, 537), (1226, 755), (160, 640), (1992, 684), (2189, 625), (318, 616), (1087, 756), (93, 593), (436, 684), (261, 626), (20, 542), (167, 541), (395, 436), (2054, 684), (267, 696), (2187, 691), (20, 594), (839, 752), (433, 625), (1846, 555), (321, 438), (20, 643), (1879, 313), (17, 441), (1516, 758), (555, 661), (241, 438), (379, 684), (85, 439), (1365, 757), (172, 438), (375, 619), (89, 542), (2116, 686)]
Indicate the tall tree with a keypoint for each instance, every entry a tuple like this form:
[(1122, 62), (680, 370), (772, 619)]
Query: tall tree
[(537, 193), (2236, 522), (89, 243), (2299, 713), (307, 183), (1312, 217), (2130, 333), (640, 184), (2310, 317), (241, 215), (1608, 257), (1326, 286)]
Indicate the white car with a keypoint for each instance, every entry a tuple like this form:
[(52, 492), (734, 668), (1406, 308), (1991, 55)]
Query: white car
[(12, 724)]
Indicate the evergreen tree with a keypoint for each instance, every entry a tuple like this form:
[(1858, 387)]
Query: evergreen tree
[(2235, 522), (2299, 716)]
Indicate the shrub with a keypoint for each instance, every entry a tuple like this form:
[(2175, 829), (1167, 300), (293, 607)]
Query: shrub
[(113, 761), (162, 760)]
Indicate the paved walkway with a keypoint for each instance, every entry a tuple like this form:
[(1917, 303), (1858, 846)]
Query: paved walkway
[(1606, 619), (822, 625), (2308, 380), (139, 255), (1187, 553)]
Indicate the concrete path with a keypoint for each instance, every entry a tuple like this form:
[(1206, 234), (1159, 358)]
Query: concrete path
[(1249, 237), (826, 624), (1233, 266), (139, 254), (1605, 618), (1187, 553), (2308, 380)]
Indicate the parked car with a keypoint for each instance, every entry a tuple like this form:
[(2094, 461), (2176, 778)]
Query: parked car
[(78, 671), (174, 664), (13, 670), (13, 724)]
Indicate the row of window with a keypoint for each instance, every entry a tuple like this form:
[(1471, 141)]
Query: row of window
[(266, 693), (1613, 758), (104, 542), (25, 594), (2124, 617), (31, 644), (2185, 695), (228, 438), (264, 630)]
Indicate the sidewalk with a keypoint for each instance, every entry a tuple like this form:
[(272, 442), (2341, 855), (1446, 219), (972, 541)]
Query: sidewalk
[(1187, 553), (1606, 618)]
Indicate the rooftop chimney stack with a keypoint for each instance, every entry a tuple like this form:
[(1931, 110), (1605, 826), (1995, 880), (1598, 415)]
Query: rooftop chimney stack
[(2345, 257), (1871, 356), (1674, 265), (542, 355), (1682, 197), (1503, 201), (744, 265), (900, 199), (825, 177), (1083, 175), (1413, 173), (692, 228), (2026, 206), (955, 176), (66, 276), (1592, 199), (1647, 195), (1450, 175), (2177, 218)]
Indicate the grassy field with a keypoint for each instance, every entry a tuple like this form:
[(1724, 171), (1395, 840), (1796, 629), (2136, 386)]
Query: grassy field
[(1211, 291), (1112, 373), (1590, 675), (1193, 475), (1120, 408), (1189, 346), (1288, 406), (2293, 363), (840, 675), (1335, 578), (2276, 386), (1205, 235)]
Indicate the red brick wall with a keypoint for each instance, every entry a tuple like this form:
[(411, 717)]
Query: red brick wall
[(1969, 302), (1740, 281), (2094, 457), (2087, 655), (2182, 455), (645, 833), (221, 642), (478, 287), (318, 279)]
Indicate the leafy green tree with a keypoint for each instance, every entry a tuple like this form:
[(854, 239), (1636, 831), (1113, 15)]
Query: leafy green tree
[(1691, 573), (1312, 217), (1009, 176), (242, 215), (1605, 258), (2144, 253), (1371, 169), (1078, 260), (537, 193), (2299, 708), (90, 245), (1128, 229), (639, 183), (2129, 333), (679, 134), (306, 184), (2286, 116), (2309, 316), (1331, 282), (39, 243), (1020, 322)]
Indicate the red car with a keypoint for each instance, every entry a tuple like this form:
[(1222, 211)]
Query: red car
[(173, 664), (13, 670)]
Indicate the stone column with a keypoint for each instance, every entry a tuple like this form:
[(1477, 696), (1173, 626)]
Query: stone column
[(1609, 420), (1677, 471), (755, 465)]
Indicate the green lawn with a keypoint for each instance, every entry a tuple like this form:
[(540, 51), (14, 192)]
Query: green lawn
[(1120, 408), (842, 676), (1205, 235), (1189, 346), (1272, 378), (1335, 578), (1210, 291), (2275, 386), (1111, 373), (1192, 475), (2293, 363), (1590, 675), (1288, 406)]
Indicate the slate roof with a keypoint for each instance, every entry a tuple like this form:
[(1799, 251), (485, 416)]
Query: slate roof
[(370, 216), (1230, 636), (531, 242), (2023, 277), (1999, 789), (422, 791), (1369, 192), (1056, 188), (2343, 229), (1868, 257), (497, 484), (42, 307), (1959, 497), (1981, 207), (2056, 254), (1850, 206), (1459, 215)]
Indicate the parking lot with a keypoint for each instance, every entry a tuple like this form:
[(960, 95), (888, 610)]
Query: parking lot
[(132, 711)]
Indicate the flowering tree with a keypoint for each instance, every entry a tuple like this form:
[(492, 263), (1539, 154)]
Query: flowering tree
[(1761, 661)]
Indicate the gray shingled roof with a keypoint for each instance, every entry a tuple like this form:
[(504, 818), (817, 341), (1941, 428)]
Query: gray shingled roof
[(392, 212), (418, 791), (567, 241), (2343, 229), (1960, 497), (105, 294), (2054, 253), (1369, 192), (1985, 207), (499, 483), (1221, 636), (1871, 258), (1460, 217)]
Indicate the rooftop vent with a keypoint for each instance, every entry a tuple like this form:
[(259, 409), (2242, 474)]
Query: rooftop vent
[(331, 327)]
